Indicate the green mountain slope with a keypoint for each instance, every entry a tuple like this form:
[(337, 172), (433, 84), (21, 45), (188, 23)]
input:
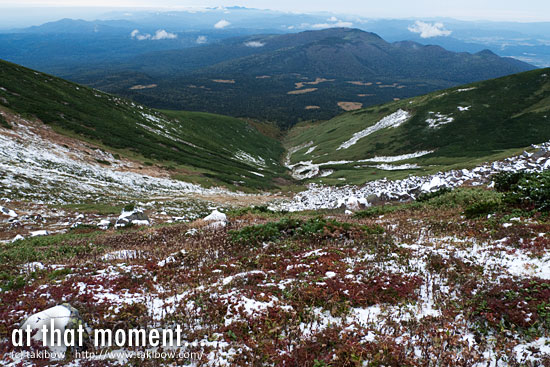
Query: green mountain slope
[(201, 147), (453, 128)]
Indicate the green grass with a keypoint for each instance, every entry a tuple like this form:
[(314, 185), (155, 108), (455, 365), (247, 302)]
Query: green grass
[(468, 199), (4, 122), (95, 208), (506, 115), (60, 247), (299, 229)]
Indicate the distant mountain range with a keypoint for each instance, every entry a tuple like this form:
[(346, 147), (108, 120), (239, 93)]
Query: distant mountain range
[(292, 77)]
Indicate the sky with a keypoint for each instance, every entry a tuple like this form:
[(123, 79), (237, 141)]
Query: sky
[(527, 10), (509, 10)]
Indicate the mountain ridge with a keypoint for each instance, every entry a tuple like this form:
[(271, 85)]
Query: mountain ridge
[(277, 68), (212, 149)]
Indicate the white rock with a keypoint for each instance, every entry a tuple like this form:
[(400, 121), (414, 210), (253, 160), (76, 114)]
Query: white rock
[(435, 183), (34, 266), (217, 225), (352, 203), (216, 216), (17, 238), (8, 212), (42, 232), (60, 315), (104, 223)]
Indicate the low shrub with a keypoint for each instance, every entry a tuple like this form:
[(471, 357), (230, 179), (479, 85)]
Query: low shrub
[(533, 190), (482, 208), (4, 122), (463, 197), (521, 304), (504, 181), (297, 228), (260, 209), (426, 196)]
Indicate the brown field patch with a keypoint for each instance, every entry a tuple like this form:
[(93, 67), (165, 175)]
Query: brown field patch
[(317, 81), (365, 95), (366, 84), (139, 86), (350, 106), (224, 81), (303, 91), (312, 107)]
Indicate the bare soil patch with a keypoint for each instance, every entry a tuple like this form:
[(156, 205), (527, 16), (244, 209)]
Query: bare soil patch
[(303, 91), (139, 86), (350, 106)]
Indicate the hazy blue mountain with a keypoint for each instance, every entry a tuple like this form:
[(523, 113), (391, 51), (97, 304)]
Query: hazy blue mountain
[(292, 77)]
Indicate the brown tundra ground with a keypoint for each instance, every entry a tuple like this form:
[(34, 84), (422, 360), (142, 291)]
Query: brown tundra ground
[(413, 284)]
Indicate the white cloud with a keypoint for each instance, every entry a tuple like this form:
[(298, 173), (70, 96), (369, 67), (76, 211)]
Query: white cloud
[(428, 30), (338, 24), (335, 22), (254, 44), (222, 24), (201, 40), (161, 34)]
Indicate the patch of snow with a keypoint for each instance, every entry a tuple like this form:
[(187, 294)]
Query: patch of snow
[(31, 158), (438, 120), (248, 158), (170, 259), (310, 150), (394, 120), (8, 212), (42, 232), (397, 158), (308, 169), (121, 255), (390, 167), (31, 267), (533, 351)]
